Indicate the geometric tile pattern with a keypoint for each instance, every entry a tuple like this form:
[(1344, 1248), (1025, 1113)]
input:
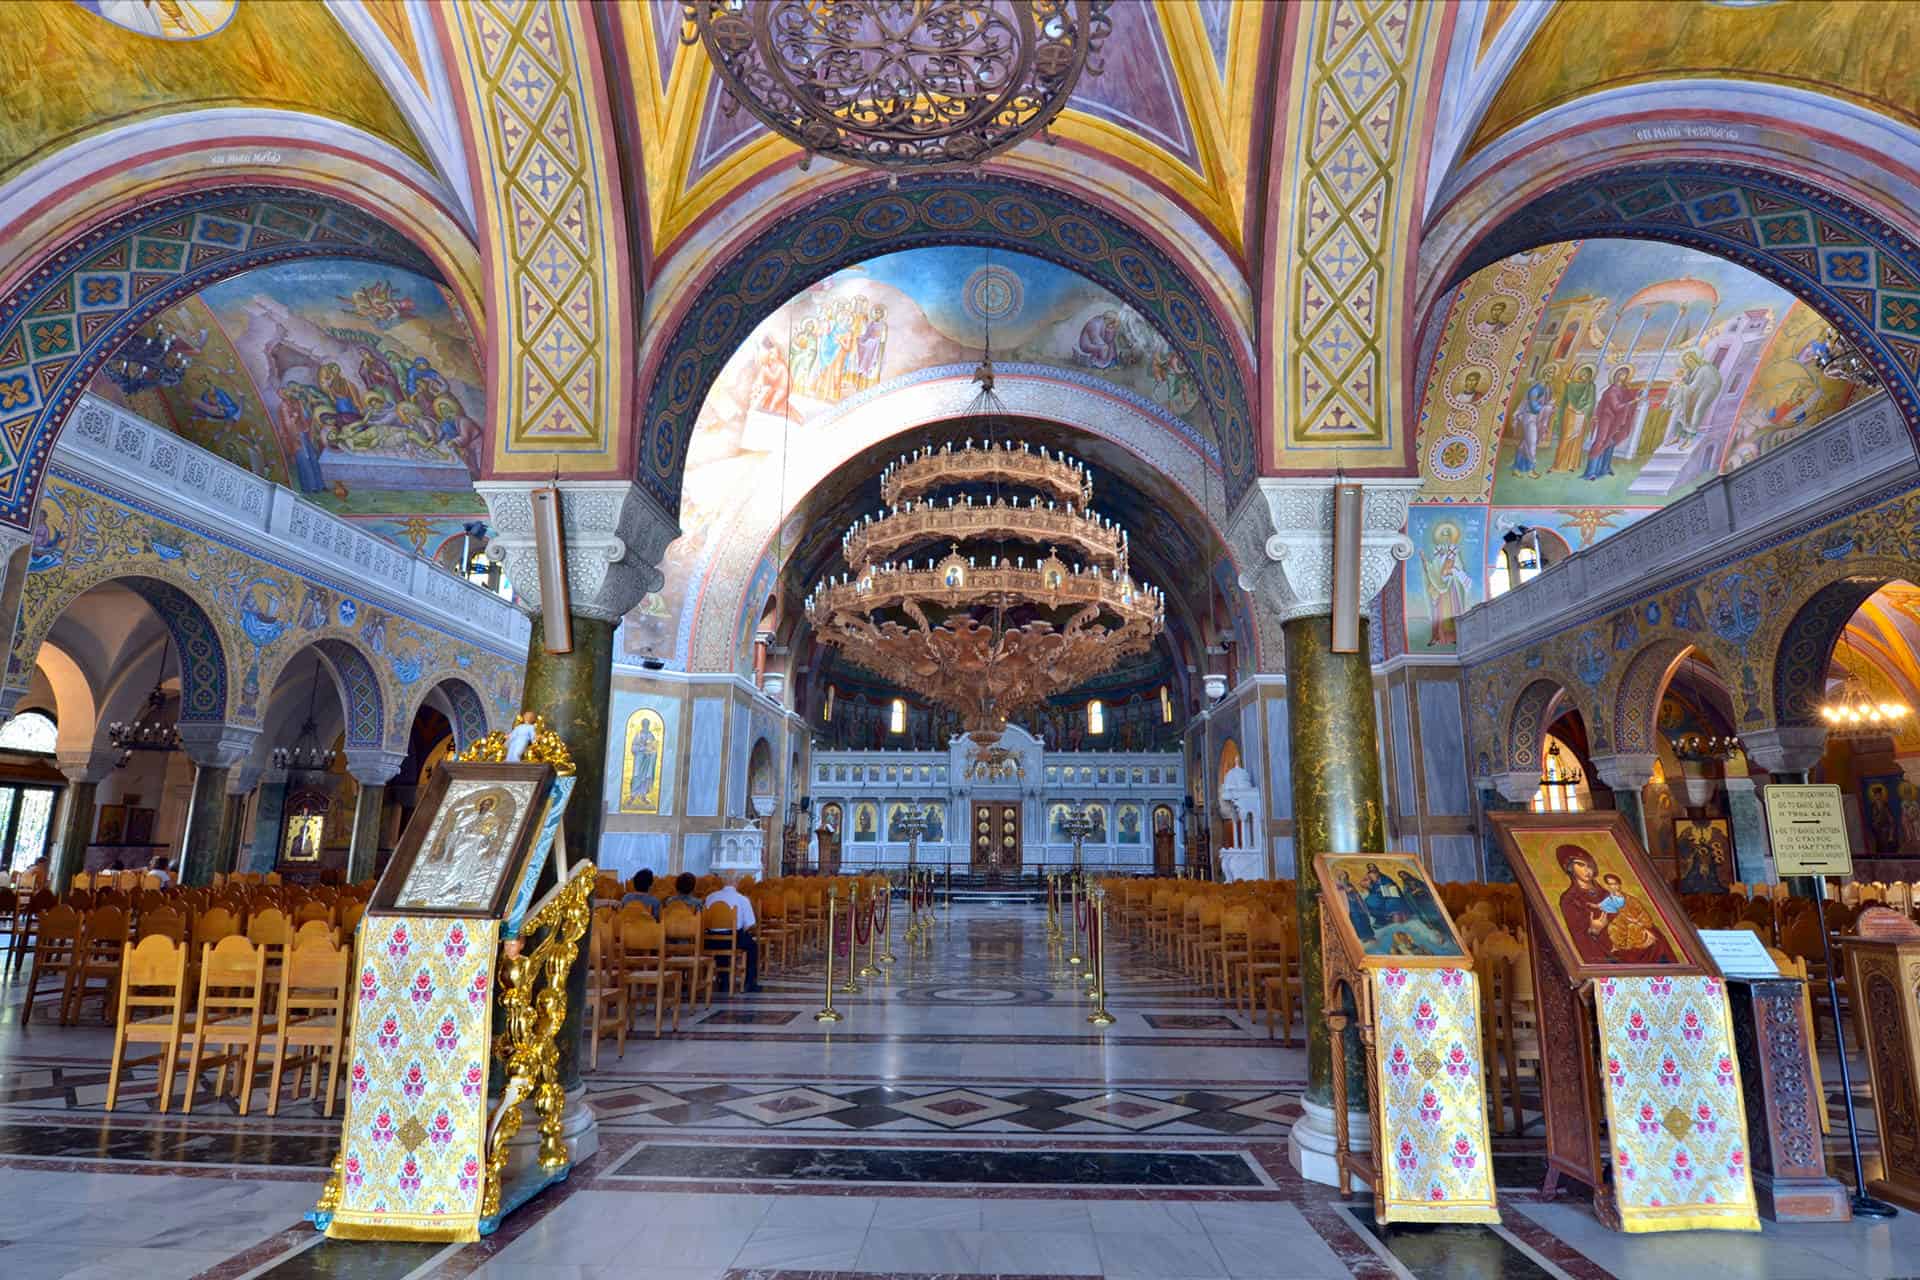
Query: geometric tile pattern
[(80, 304), (874, 218), (551, 206), (1358, 71), (203, 661), (360, 688), (1852, 267)]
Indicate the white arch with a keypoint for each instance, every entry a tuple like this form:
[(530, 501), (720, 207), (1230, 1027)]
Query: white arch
[(74, 703)]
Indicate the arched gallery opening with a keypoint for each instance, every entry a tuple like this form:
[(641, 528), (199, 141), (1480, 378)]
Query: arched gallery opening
[(971, 637)]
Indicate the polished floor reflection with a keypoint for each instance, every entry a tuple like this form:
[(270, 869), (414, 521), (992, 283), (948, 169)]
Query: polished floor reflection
[(963, 1119)]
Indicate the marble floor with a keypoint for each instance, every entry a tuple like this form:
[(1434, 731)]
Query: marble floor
[(964, 1119)]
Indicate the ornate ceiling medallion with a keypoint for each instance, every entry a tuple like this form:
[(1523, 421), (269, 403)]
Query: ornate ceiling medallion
[(987, 634), (900, 84)]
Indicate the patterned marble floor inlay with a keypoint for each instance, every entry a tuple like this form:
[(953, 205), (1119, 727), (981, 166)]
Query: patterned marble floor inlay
[(963, 1120)]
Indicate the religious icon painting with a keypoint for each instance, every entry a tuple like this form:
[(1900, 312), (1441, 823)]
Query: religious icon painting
[(1881, 816), (1127, 823), (1704, 848), (140, 820), (468, 841), (112, 828), (896, 821), (646, 743), (866, 822), (1384, 907), (936, 832), (1595, 896)]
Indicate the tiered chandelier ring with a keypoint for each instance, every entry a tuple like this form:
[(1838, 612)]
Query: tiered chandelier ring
[(942, 626)]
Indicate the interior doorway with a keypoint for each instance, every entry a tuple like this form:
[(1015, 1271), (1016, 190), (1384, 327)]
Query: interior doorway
[(996, 837)]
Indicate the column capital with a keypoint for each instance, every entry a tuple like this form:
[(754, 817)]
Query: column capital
[(1282, 539), (85, 766), (217, 746), (374, 768), (1519, 787), (617, 535), (243, 779), (1627, 771), (1787, 749)]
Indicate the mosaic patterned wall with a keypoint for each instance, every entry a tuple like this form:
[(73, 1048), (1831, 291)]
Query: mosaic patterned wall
[(1767, 620), (241, 618)]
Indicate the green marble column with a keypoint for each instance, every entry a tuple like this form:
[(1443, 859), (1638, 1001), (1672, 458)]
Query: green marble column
[(207, 833), (71, 854), (572, 690), (1627, 801), (1337, 804), (363, 851)]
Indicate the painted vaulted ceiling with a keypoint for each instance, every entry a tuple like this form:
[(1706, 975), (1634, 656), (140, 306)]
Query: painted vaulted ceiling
[(1307, 185)]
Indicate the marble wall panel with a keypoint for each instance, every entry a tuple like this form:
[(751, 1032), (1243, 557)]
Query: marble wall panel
[(1443, 747), (1279, 761), (705, 746), (1404, 798), (696, 852), (625, 852), (1455, 857)]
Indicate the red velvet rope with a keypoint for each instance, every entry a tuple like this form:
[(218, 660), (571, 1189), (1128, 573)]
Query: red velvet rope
[(1082, 909), (863, 923), (843, 939)]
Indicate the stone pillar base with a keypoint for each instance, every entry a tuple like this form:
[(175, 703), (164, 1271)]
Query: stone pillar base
[(1310, 1143)]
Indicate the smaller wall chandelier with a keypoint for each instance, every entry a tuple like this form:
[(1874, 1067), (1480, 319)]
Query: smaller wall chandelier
[(1857, 713), (1706, 746), (150, 730), (1839, 359), (305, 754), (900, 84)]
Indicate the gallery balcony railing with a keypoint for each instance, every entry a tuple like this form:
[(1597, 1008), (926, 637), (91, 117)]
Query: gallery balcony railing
[(1862, 450), (183, 482)]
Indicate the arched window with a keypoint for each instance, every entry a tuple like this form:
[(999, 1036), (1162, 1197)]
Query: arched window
[(29, 731), (1560, 782), (897, 719), (1533, 551), (1166, 706), (1096, 716)]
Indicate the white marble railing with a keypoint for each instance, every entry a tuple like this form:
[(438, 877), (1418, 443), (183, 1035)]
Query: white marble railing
[(1863, 448), (182, 481)]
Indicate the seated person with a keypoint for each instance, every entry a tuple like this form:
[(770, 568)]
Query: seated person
[(743, 921), (643, 892), (158, 867), (683, 891)]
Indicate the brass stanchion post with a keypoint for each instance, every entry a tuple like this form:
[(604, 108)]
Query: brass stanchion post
[(829, 1013), (1073, 890), (869, 970), (850, 987), (1096, 921), (886, 929)]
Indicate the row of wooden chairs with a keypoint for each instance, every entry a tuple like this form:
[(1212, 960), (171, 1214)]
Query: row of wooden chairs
[(229, 1006)]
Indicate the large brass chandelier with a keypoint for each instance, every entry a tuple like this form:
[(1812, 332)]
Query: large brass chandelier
[(989, 634), (900, 84)]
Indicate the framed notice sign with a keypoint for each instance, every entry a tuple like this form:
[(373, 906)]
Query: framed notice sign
[(1808, 829)]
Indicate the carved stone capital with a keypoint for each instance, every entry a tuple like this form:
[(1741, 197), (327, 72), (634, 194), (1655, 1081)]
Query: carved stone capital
[(242, 779), (617, 535), (1627, 771), (1517, 788), (217, 746), (1282, 538), (85, 766), (374, 768), (1788, 749)]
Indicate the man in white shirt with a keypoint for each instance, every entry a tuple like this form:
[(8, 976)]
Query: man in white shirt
[(743, 921)]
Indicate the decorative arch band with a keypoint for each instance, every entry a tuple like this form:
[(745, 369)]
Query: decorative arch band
[(65, 319), (872, 219), (203, 663), (360, 692)]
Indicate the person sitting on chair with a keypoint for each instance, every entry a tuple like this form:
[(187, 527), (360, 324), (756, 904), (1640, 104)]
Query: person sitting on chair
[(743, 922), (643, 892), (683, 892)]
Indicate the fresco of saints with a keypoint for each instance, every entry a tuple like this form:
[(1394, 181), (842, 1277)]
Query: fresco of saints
[(643, 749), (1576, 402), (1603, 923), (1612, 423), (1449, 587), (1530, 418), (1699, 386)]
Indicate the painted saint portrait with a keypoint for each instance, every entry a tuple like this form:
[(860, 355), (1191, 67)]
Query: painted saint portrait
[(1388, 905), (1705, 850), (646, 739), (1595, 895), (465, 852), (1881, 812), (936, 832), (1127, 823), (866, 822)]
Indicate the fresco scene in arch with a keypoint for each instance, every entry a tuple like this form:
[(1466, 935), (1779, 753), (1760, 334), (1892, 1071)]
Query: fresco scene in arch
[(356, 385), (868, 325), (1651, 369)]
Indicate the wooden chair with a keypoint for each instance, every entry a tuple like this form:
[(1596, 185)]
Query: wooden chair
[(56, 950), (640, 955), (687, 951), (1285, 991), (307, 912), (96, 970), (1510, 1030), (1236, 947), (722, 943), (29, 907), (349, 911), (153, 1007), (609, 1003), (314, 1010), (230, 1014), (312, 929)]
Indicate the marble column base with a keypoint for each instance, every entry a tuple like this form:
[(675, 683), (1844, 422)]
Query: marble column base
[(1310, 1143)]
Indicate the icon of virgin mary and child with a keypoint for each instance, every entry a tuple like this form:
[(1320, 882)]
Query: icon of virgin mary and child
[(1605, 923)]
